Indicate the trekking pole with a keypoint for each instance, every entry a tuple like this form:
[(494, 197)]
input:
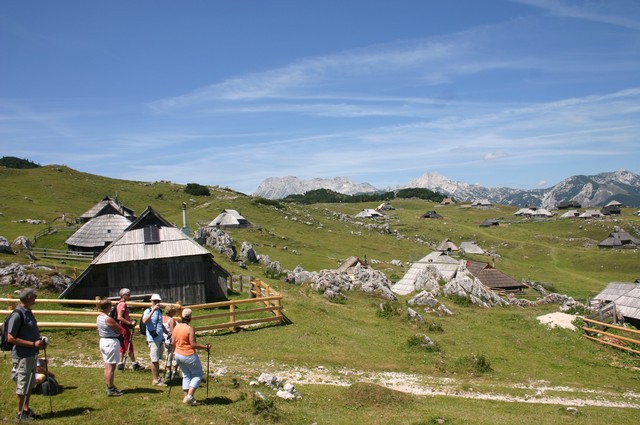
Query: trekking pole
[(208, 357), (46, 370)]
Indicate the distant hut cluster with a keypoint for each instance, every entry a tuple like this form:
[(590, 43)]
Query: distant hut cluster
[(612, 208), (447, 269), (534, 212)]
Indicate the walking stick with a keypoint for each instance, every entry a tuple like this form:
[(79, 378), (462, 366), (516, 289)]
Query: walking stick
[(208, 357), (46, 369)]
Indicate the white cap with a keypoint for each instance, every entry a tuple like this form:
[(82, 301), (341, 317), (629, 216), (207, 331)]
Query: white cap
[(155, 297)]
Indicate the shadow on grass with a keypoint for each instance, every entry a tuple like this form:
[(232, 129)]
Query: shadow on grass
[(142, 390), (67, 413), (221, 401)]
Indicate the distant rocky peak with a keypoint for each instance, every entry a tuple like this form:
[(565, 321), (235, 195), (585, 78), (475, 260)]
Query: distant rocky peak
[(281, 187)]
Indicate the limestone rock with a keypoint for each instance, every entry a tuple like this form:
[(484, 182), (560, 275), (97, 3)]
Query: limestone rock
[(248, 253), (217, 239), (5, 247)]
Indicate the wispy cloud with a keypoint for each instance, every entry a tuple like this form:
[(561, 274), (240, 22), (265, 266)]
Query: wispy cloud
[(603, 11)]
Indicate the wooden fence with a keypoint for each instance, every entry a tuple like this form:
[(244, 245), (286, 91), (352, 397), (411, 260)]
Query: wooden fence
[(59, 254), (597, 331), (269, 310)]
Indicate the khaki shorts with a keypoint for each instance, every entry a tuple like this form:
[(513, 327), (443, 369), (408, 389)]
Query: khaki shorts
[(25, 375), (156, 351)]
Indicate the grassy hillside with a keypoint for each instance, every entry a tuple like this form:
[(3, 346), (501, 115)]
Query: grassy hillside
[(351, 341)]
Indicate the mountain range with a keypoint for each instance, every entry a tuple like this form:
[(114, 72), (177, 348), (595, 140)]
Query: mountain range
[(590, 191)]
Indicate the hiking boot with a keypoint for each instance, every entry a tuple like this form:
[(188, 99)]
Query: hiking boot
[(29, 413), (137, 367), (120, 366), (188, 399), (24, 417), (113, 392)]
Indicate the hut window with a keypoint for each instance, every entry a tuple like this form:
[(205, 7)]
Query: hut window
[(151, 234)]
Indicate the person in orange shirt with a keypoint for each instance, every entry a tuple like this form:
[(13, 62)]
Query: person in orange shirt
[(184, 341)]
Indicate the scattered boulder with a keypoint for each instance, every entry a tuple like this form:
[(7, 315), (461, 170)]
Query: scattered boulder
[(284, 390), (467, 286), (5, 247), (300, 276), (21, 244), (425, 341), (414, 316), (217, 239), (248, 254), (16, 274), (428, 280), (19, 275), (431, 304)]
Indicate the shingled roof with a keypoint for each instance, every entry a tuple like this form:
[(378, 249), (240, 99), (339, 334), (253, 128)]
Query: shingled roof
[(491, 277)]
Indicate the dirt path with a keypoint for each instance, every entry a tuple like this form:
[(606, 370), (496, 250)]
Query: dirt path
[(531, 392), (537, 392)]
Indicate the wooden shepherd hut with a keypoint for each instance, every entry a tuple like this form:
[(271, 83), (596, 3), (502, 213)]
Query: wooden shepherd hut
[(153, 256), (230, 219), (107, 205), (98, 233), (492, 277)]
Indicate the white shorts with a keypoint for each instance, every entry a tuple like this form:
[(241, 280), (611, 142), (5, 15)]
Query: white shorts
[(110, 350), (156, 350)]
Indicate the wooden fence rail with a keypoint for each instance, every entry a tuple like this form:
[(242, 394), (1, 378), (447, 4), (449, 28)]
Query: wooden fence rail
[(614, 340), (270, 306), (59, 254)]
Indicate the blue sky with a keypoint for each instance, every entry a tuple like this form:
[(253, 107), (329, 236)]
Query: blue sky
[(501, 93)]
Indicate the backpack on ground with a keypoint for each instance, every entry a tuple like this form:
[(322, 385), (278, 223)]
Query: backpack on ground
[(5, 345), (49, 387)]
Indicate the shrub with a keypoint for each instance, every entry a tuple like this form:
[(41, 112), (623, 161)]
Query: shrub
[(270, 202), (388, 309), (196, 189), (477, 364), (417, 343), (264, 407), (461, 301)]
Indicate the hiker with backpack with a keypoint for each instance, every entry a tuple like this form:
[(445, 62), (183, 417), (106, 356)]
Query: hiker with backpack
[(110, 333), (23, 333), (128, 324), (152, 320)]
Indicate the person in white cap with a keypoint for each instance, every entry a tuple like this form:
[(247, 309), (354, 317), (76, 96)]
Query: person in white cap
[(152, 319)]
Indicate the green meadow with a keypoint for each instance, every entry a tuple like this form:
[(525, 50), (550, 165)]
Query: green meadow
[(354, 364)]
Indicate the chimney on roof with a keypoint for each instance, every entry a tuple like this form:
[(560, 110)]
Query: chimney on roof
[(185, 228)]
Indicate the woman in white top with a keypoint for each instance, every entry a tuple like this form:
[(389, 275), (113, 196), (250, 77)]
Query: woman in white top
[(110, 333)]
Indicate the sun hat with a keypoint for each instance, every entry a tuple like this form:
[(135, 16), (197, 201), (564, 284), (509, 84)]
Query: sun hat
[(155, 297)]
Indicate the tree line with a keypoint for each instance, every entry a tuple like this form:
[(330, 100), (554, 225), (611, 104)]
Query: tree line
[(327, 196)]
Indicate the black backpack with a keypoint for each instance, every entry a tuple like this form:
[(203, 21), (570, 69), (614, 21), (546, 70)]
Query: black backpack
[(48, 387), (5, 345), (114, 312)]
